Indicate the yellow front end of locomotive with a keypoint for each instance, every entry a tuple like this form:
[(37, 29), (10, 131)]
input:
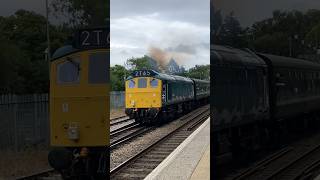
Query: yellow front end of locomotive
[(79, 100), (143, 92)]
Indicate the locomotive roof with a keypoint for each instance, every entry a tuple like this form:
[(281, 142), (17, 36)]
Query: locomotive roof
[(65, 50), (281, 61), (231, 56), (163, 76)]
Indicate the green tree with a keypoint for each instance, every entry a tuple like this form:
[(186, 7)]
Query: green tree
[(286, 33), (9, 57), (279, 41), (139, 63), (313, 36), (23, 42), (215, 25), (231, 33), (82, 13), (118, 75), (199, 72)]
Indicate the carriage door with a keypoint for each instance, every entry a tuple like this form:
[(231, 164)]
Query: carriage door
[(164, 92), (265, 89)]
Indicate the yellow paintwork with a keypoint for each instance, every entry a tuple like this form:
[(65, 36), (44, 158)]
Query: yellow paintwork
[(143, 97), (83, 105)]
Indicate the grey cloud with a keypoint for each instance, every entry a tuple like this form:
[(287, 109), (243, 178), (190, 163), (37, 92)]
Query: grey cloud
[(191, 10), (182, 48), (179, 27), (124, 52)]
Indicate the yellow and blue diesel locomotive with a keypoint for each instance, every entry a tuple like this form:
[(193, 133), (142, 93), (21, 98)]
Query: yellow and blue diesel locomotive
[(154, 97), (79, 106)]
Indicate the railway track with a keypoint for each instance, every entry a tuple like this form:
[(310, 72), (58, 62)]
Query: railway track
[(123, 128), (141, 164), (296, 162), (120, 117), (119, 120), (124, 135)]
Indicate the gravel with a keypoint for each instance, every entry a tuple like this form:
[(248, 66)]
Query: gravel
[(128, 150)]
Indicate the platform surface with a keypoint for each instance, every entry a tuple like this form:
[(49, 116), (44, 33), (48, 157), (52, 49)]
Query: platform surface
[(190, 160)]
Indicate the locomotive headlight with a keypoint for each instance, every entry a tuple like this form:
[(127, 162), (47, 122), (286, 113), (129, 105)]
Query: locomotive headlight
[(153, 94), (132, 103), (73, 131)]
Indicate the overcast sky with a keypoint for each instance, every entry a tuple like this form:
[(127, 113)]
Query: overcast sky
[(180, 28), (250, 11), (9, 7)]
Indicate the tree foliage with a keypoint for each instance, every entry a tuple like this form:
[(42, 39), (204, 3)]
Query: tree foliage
[(8, 61), (118, 75), (215, 25), (198, 72), (313, 36), (228, 32), (286, 33), (139, 63), (82, 13), (22, 57)]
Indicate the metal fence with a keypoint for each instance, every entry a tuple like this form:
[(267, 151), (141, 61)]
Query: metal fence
[(24, 119), (117, 99)]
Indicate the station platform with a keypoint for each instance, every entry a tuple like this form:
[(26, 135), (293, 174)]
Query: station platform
[(189, 161)]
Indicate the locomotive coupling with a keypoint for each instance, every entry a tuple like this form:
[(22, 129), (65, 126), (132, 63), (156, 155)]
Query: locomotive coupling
[(84, 152)]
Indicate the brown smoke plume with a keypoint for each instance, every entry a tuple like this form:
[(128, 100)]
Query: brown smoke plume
[(160, 56)]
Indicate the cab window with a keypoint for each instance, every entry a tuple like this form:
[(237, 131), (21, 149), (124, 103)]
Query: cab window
[(142, 83), (154, 83), (68, 71), (132, 84), (98, 68)]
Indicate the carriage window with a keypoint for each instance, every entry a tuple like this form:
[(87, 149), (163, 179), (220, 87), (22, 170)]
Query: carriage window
[(132, 84), (98, 68), (142, 83), (154, 83), (68, 71)]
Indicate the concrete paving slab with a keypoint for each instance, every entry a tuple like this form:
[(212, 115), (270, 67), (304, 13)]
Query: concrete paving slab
[(183, 161), (202, 171)]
